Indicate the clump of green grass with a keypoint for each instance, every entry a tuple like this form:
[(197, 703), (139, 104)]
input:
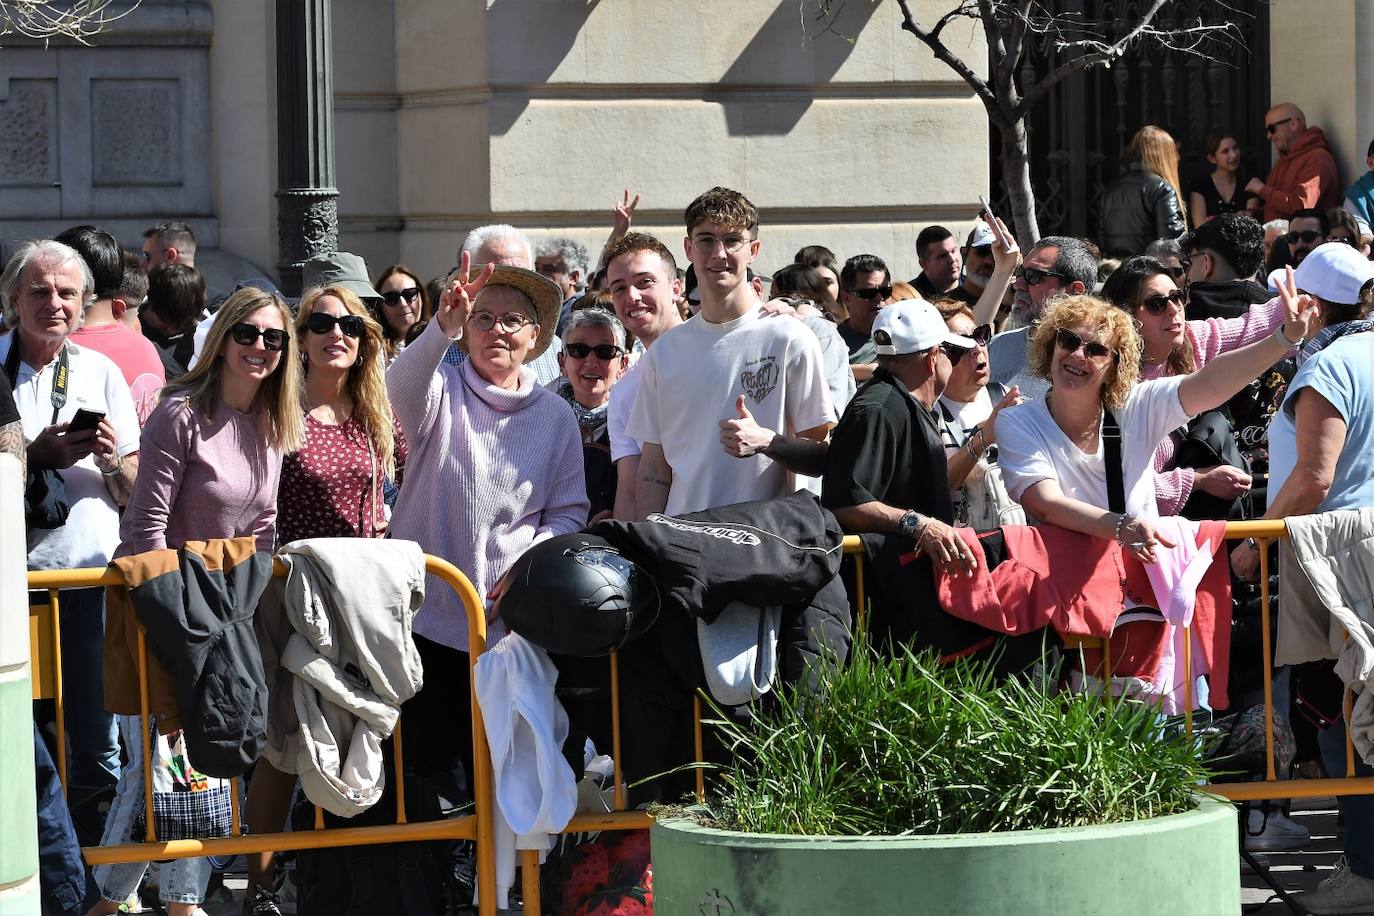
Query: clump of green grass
[(905, 745)]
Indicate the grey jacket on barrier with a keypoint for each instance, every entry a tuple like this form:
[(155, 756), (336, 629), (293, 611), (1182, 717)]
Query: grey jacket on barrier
[(340, 661), (1326, 575)]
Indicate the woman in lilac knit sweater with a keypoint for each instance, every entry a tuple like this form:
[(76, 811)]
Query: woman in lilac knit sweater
[(495, 466), (1143, 287), (210, 458)]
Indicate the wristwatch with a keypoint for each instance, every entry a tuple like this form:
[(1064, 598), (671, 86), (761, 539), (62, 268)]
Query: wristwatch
[(909, 523)]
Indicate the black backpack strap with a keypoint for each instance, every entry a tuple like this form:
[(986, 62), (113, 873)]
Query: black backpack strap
[(1111, 448)]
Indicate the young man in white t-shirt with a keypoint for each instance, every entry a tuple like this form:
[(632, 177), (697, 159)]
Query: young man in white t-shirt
[(642, 277), (730, 407)]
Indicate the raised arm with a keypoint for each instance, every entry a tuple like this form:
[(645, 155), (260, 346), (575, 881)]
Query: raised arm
[(1005, 261)]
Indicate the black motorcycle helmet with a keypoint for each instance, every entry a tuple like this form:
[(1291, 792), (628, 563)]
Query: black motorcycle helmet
[(575, 594)]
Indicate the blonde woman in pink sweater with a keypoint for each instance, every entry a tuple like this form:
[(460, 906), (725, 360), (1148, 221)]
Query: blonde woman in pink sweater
[(1143, 287), (495, 466)]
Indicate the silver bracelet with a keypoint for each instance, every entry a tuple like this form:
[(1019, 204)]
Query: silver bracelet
[(1295, 344), (1120, 525)]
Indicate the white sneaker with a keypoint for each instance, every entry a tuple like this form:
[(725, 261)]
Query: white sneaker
[(1277, 833), (1343, 893)]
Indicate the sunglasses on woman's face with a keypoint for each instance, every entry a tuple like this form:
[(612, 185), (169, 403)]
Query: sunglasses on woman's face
[(320, 323), (604, 352), (396, 295), (873, 292), (1158, 305), (954, 353), (1179, 272), (1071, 343), (245, 335), (981, 334)]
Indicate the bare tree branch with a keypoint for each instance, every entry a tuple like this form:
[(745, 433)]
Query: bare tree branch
[(79, 21), (1016, 44), (948, 57)]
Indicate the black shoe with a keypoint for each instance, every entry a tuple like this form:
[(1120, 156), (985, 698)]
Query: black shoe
[(263, 903)]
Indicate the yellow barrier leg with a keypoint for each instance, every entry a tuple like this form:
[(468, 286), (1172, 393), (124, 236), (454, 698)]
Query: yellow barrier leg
[(621, 800), (400, 773), (146, 737), (529, 881), (700, 746), (1187, 683), (57, 696)]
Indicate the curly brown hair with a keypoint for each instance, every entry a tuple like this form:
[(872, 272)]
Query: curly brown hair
[(724, 207), (1118, 332)]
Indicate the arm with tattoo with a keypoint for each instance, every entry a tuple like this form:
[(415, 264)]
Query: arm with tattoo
[(12, 442)]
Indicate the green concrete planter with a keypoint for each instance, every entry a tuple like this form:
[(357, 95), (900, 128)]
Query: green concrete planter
[(1184, 864)]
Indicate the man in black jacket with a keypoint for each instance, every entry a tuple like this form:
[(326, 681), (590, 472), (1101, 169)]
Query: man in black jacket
[(1223, 256)]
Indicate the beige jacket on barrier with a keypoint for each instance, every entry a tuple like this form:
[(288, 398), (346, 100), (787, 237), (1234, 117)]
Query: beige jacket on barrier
[(340, 661), (1326, 589)]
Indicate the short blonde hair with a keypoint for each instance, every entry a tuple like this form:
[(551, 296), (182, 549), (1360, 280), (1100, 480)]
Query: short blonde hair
[(1118, 331), (278, 397)]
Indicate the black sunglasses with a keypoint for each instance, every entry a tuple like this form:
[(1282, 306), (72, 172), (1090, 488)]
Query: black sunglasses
[(1071, 343), (396, 295), (245, 335), (1156, 305), (1272, 129), (954, 353), (873, 292), (981, 334), (1179, 272), (1307, 235), (1034, 276), (604, 352), (320, 323)]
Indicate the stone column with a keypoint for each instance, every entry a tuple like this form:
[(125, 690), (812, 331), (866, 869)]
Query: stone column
[(307, 211)]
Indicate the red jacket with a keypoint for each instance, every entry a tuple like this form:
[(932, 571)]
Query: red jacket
[(1305, 176), (1077, 584)]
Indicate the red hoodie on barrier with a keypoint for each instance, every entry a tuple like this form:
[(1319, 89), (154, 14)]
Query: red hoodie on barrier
[(1078, 585)]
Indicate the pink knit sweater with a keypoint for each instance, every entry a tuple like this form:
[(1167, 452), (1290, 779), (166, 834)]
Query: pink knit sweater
[(1210, 338), (490, 473)]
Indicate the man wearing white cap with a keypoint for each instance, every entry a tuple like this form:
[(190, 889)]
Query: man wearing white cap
[(1321, 459), (886, 474)]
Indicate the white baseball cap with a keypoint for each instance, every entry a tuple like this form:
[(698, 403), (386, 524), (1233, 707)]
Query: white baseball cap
[(980, 236), (1334, 271), (911, 326)]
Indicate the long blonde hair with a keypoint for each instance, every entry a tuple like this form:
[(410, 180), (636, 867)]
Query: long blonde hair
[(276, 401), (366, 383), (1157, 151)]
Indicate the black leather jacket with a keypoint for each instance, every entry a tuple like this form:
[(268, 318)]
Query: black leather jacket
[(1138, 208)]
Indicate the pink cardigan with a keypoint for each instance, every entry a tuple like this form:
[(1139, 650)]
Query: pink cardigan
[(1210, 338)]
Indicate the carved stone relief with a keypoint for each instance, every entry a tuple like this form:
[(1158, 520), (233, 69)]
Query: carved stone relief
[(28, 134), (136, 132)]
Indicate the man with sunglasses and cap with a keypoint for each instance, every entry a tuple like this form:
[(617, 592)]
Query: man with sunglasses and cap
[(886, 475), (1305, 174)]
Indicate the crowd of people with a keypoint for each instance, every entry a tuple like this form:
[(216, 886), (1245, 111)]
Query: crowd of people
[(531, 391)]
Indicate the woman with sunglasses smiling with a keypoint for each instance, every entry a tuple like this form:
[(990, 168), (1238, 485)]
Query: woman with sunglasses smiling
[(331, 486), (968, 408), (404, 302), (1144, 289), (211, 459), (1090, 352), (593, 359)]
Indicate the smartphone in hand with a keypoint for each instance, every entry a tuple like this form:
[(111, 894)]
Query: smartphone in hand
[(85, 420), (992, 222)]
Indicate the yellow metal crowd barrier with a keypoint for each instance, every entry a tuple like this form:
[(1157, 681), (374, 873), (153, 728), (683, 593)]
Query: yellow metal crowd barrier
[(478, 826)]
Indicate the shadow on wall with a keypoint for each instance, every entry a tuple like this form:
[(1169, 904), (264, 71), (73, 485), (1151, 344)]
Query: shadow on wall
[(790, 48), (547, 32)]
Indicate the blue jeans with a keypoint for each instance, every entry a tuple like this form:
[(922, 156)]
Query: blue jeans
[(93, 761), (181, 880), (1358, 810), (61, 870)]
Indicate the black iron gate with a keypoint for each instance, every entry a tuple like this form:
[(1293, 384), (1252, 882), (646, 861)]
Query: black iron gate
[(1079, 132)]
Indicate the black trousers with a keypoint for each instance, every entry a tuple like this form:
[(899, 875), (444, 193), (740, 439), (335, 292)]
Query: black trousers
[(436, 723)]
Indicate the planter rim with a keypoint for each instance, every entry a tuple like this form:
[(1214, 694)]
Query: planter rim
[(1210, 807)]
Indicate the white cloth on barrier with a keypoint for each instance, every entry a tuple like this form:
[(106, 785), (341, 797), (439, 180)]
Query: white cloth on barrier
[(534, 788), (1326, 590), (340, 661)]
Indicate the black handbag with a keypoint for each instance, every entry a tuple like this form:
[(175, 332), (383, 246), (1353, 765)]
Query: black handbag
[(45, 492), (1208, 443)]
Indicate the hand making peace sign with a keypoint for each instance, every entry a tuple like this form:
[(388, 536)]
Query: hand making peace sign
[(457, 298)]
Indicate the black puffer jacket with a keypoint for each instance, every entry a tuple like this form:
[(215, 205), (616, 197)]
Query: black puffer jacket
[(1138, 208)]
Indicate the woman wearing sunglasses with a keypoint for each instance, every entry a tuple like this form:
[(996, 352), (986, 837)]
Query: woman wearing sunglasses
[(1051, 450), (593, 359), (1145, 290), (330, 487), (404, 302), (209, 466), (967, 413)]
